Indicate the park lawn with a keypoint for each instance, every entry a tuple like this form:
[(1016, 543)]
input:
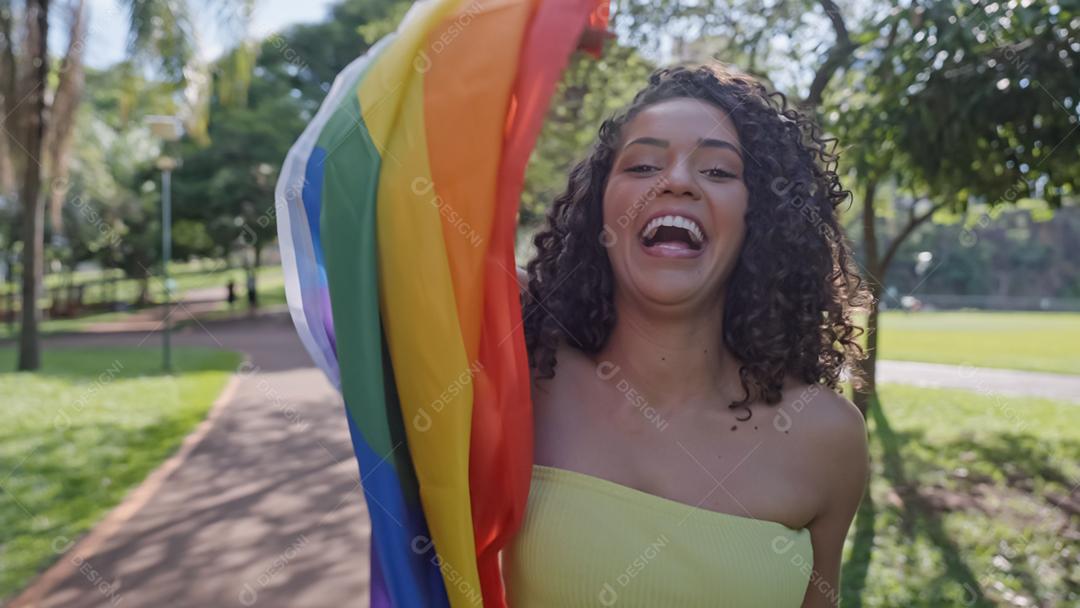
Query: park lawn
[(271, 287), (270, 275), (82, 432), (54, 326), (187, 278), (969, 503), (1035, 341), (188, 275)]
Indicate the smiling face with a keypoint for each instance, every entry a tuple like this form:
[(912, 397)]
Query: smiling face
[(674, 204)]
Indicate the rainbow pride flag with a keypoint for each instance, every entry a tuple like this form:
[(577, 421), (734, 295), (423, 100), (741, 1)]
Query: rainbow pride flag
[(396, 220)]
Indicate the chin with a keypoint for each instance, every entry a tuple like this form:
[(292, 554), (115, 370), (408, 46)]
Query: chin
[(673, 295), (670, 281)]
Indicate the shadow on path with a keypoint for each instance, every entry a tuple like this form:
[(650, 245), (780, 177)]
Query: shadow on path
[(267, 509)]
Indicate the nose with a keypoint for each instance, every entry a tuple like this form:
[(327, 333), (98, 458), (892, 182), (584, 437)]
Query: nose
[(678, 180)]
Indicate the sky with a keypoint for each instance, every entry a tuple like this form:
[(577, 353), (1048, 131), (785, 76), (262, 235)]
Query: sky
[(107, 28)]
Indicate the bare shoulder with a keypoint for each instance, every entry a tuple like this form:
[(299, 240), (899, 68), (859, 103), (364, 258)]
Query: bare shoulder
[(832, 434), (823, 414), (576, 380)]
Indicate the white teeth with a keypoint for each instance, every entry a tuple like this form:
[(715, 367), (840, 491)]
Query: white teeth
[(695, 231), (676, 221)]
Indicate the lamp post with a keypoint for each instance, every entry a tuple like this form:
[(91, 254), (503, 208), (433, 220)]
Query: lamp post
[(167, 129)]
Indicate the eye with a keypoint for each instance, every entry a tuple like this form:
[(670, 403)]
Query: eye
[(717, 172), (642, 168)]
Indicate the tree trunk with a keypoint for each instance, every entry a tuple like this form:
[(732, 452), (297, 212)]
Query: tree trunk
[(868, 366), (59, 135), (7, 167), (255, 271), (37, 15), (8, 99), (143, 298)]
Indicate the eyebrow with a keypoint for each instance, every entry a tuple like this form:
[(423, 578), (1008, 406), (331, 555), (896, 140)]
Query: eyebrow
[(703, 142), (719, 143)]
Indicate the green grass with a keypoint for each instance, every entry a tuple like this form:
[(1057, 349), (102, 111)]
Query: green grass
[(53, 326), (270, 275), (1035, 341), (79, 434), (962, 510), (193, 274), (186, 277)]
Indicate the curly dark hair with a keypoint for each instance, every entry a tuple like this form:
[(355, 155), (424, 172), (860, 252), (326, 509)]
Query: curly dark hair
[(788, 310)]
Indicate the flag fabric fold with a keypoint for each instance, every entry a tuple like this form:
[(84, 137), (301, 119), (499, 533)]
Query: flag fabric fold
[(396, 220)]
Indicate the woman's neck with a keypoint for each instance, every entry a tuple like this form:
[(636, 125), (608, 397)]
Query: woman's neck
[(670, 359)]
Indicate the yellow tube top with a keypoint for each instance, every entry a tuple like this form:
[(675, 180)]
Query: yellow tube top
[(587, 541)]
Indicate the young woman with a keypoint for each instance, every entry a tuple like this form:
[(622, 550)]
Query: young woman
[(688, 317)]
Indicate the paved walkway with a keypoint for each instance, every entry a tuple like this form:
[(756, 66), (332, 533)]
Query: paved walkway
[(981, 379), (265, 511)]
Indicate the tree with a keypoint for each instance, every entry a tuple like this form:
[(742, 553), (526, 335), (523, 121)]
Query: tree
[(224, 193), (959, 105), (160, 33), (112, 210), (24, 107), (591, 89), (66, 99), (294, 69), (162, 38), (8, 80), (30, 149), (228, 188)]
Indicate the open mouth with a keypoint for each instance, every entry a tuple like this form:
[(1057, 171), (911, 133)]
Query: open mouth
[(673, 233)]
